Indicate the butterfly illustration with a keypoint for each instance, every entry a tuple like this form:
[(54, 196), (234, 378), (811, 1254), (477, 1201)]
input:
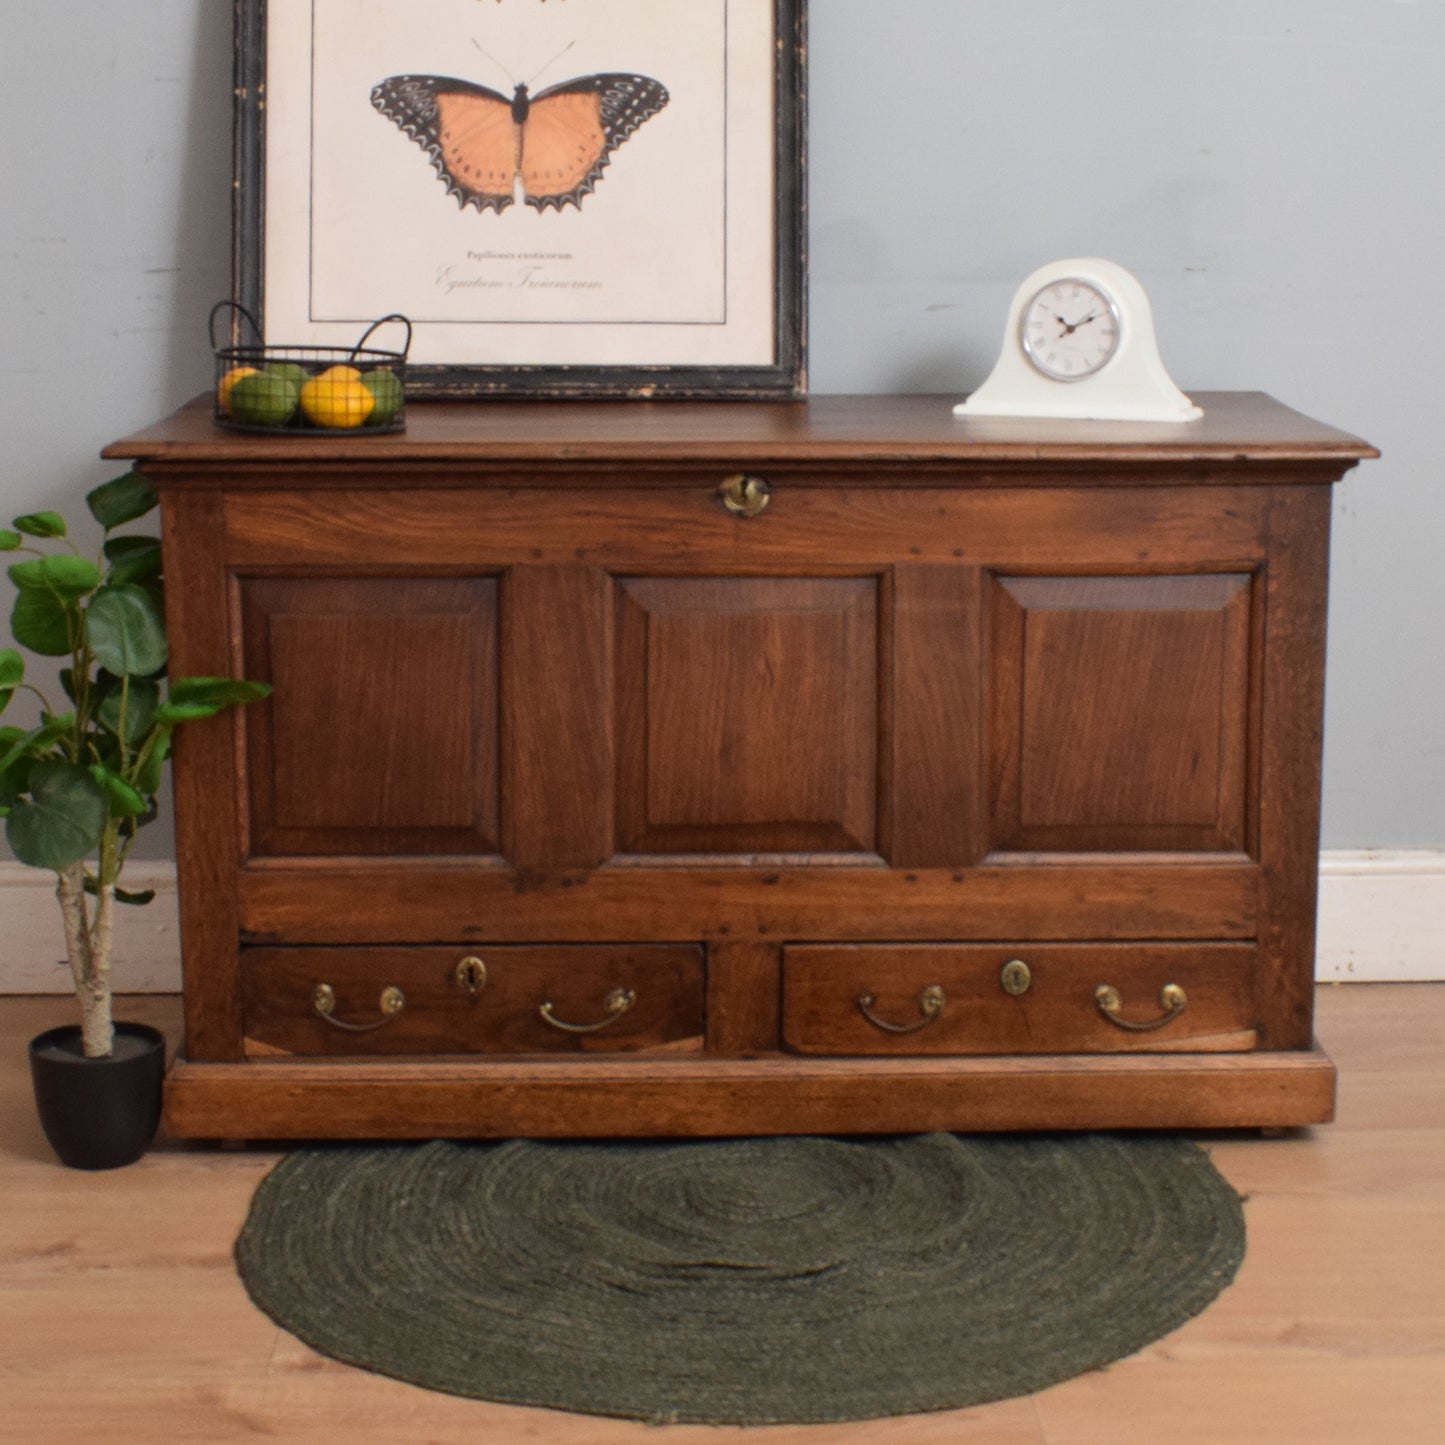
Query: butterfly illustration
[(557, 141)]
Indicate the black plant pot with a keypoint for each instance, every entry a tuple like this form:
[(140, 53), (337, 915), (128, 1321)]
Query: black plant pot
[(99, 1113)]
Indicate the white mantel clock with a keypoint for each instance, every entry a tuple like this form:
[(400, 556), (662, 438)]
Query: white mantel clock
[(1080, 343)]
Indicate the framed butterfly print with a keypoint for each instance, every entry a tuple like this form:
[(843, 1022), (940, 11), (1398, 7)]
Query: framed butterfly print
[(564, 197)]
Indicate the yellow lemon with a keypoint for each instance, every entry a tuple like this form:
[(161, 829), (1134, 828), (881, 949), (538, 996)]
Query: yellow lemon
[(223, 389), (337, 398)]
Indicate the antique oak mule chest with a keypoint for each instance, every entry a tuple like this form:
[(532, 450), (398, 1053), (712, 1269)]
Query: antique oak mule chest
[(660, 768)]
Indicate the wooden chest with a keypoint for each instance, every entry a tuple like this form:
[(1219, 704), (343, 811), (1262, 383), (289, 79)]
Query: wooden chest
[(687, 769)]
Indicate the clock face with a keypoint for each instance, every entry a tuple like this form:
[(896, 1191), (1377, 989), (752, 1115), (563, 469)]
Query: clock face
[(1070, 330)]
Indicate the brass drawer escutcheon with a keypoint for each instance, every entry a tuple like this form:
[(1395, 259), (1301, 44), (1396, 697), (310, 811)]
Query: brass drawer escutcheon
[(391, 1003), (617, 1003), (1172, 1000), (1016, 977), (745, 496), (930, 1005), (471, 974)]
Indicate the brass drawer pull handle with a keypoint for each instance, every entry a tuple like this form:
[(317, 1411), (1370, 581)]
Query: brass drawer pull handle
[(1171, 998), (393, 1000), (617, 1003), (745, 496), (472, 974), (930, 1005)]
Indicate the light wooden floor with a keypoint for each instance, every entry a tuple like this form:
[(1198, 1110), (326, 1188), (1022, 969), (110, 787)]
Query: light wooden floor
[(121, 1317)]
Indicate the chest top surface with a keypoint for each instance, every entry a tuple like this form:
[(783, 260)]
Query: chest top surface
[(1237, 428)]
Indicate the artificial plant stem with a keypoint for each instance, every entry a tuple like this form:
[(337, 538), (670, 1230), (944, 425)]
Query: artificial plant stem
[(96, 1024), (88, 966)]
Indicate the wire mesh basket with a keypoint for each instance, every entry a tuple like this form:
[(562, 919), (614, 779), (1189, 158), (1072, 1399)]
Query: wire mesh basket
[(262, 388)]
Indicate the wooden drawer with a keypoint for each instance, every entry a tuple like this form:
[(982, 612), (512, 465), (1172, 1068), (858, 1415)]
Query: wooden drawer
[(512, 999), (927, 998)]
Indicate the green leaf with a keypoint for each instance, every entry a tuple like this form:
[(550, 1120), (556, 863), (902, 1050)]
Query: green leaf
[(194, 698), (41, 524), (14, 780), (64, 576), (217, 691), (122, 895), (12, 674), (122, 799), (133, 559), (44, 623), (140, 708), (9, 540), (117, 502), (173, 714), (62, 820), (148, 778), (34, 743), (126, 631)]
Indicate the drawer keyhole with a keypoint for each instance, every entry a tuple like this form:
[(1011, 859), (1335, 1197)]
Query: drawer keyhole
[(472, 974), (1016, 977)]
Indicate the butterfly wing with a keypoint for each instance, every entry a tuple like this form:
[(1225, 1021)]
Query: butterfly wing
[(466, 129), (572, 129)]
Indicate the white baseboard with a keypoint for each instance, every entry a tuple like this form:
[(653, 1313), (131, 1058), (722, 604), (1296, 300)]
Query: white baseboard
[(1381, 915), (147, 957), (1381, 919)]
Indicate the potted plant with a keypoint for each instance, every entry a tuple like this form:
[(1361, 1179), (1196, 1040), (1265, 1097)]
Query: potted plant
[(76, 789)]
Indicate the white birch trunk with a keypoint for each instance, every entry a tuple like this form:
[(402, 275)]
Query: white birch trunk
[(88, 951)]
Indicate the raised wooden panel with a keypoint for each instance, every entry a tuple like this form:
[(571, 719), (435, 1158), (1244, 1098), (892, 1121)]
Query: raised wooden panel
[(747, 714), (1120, 712), (381, 733)]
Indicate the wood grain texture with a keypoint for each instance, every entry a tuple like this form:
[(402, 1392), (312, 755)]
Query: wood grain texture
[(937, 718), (382, 689), (496, 1010), (822, 984), (1009, 686), (744, 994), (557, 701), (1291, 746), (208, 774), (1138, 898), (682, 1098), (1121, 713), (813, 525), (747, 715), (868, 429)]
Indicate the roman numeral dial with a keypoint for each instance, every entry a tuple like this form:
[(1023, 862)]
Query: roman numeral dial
[(1070, 329)]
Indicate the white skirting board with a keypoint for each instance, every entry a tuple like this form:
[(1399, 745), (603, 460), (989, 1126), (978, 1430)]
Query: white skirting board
[(1381, 920)]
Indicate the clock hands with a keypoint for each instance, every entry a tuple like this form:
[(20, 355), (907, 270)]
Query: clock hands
[(1071, 327)]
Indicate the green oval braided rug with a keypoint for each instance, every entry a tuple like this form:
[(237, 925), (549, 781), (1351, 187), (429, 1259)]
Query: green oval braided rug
[(754, 1281)]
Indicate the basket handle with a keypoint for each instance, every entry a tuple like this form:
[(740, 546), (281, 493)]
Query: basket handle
[(236, 308), (366, 335)]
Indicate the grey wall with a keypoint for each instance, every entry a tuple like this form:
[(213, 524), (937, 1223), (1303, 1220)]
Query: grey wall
[(1270, 169)]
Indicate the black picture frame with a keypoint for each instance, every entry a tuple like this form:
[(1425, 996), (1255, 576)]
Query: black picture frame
[(781, 376)]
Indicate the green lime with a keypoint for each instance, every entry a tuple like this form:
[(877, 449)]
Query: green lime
[(288, 371), (263, 400), (385, 387)]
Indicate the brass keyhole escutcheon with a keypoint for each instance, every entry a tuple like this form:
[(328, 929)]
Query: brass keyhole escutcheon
[(1016, 977), (744, 496), (472, 974)]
